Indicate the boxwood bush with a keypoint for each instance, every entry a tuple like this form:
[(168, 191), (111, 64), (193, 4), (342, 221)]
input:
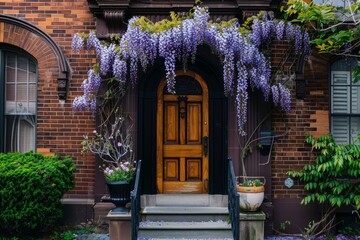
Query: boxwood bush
[(31, 187)]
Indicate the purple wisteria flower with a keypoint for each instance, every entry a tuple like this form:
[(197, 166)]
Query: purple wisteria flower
[(107, 55), (94, 42), (280, 27), (285, 98), (119, 68), (77, 43), (80, 103), (256, 34), (275, 94), (241, 97), (244, 65)]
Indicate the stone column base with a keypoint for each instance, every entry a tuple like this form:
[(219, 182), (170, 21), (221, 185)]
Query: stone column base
[(119, 225), (252, 225)]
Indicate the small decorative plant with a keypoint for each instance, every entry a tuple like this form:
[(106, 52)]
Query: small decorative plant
[(251, 191), (251, 183), (114, 145), (125, 172)]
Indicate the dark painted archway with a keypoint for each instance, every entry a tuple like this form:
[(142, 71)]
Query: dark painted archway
[(208, 66)]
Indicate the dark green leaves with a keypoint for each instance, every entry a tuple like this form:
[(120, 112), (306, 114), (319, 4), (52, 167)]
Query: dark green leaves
[(334, 177), (31, 187)]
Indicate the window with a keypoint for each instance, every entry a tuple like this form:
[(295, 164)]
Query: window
[(345, 102), (18, 85)]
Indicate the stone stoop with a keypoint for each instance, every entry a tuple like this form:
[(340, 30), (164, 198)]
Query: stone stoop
[(184, 216)]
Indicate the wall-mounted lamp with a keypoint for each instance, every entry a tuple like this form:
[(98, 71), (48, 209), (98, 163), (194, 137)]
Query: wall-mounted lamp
[(62, 88)]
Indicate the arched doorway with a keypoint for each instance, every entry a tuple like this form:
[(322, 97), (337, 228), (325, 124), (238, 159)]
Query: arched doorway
[(208, 67), (182, 136)]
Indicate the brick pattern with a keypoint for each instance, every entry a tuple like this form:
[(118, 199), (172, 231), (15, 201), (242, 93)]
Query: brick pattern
[(321, 123), (59, 129), (306, 116)]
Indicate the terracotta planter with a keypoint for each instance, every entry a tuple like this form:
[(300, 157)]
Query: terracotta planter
[(251, 198)]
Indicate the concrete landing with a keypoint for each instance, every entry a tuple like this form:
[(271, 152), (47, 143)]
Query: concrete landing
[(195, 200)]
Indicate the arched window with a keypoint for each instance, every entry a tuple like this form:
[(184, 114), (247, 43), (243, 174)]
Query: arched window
[(18, 98), (345, 101)]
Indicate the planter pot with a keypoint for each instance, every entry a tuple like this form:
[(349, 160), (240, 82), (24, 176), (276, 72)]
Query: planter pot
[(119, 195), (251, 198)]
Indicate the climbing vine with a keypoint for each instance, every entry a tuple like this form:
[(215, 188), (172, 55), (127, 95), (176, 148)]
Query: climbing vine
[(334, 177), (245, 66)]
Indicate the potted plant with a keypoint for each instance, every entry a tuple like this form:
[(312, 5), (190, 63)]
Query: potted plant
[(251, 192), (113, 144)]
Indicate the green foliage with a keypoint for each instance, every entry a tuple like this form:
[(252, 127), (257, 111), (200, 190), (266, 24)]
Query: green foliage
[(349, 231), (334, 177), (252, 183), (356, 74), (67, 235), (31, 187), (284, 224), (160, 26), (72, 232), (335, 29)]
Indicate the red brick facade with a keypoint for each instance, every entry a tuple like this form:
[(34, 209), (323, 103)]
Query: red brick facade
[(59, 129), (310, 115)]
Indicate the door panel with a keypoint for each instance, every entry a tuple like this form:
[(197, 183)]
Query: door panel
[(193, 169), (182, 124), (171, 170), (194, 123), (171, 123)]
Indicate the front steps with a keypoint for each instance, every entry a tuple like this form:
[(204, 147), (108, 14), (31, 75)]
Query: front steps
[(184, 216)]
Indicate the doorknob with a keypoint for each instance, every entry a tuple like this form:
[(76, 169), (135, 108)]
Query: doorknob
[(206, 145)]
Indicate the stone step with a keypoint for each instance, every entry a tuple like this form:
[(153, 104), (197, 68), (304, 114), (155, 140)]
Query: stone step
[(185, 234), (185, 210), (184, 214), (182, 238), (194, 200), (218, 225)]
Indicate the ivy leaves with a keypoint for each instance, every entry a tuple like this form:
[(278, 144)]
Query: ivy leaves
[(334, 177)]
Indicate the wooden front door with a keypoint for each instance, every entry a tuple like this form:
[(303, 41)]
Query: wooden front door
[(182, 136)]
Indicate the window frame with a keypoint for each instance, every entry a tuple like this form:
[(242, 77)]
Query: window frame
[(5, 48), (348, 114)]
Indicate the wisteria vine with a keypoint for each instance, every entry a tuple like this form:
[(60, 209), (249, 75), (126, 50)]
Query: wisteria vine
[(244, 64)]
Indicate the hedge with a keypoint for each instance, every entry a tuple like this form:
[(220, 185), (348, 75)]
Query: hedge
[(31, 187)]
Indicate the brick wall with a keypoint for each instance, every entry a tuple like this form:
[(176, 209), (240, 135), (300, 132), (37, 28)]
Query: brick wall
[(310, 115), (59, 129)]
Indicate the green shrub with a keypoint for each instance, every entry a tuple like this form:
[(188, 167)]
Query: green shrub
[(31, 187), (335, 175)]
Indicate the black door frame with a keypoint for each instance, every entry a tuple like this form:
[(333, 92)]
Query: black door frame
[(208, 66)]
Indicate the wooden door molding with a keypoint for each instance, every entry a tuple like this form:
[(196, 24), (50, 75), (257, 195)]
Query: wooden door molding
[(182, 123)]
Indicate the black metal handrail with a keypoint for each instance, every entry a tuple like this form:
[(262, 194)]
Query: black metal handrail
[(135, 203), (234, 207)]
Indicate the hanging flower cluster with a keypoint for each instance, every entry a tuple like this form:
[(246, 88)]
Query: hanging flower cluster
[(244, 65), (267, 28)]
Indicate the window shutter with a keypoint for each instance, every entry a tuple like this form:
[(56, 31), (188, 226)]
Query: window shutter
[(340, 129), (340, 92)]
